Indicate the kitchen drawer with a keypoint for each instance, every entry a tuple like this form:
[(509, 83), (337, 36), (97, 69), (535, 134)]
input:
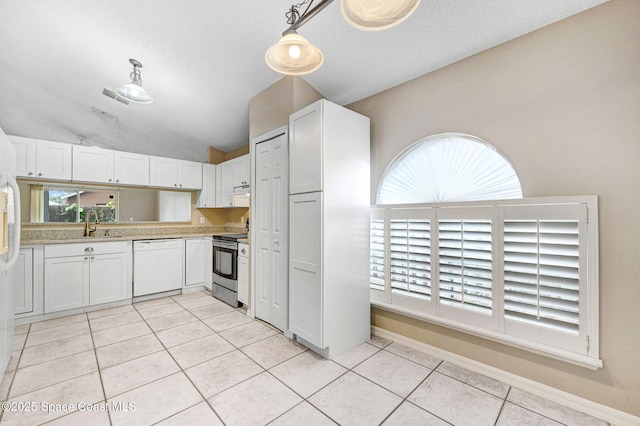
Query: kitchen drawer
[(79, 249)]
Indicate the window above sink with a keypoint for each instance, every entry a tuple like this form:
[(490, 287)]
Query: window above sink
[(59, 204)]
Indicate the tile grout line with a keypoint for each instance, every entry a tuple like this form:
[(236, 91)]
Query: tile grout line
[(95, 354), (504, 402), (15, 371), (182, 370), (153, 332)]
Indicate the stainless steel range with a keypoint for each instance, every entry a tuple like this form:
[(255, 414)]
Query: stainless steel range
[(225, 268)]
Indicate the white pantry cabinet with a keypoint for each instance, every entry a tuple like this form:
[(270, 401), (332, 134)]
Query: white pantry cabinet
[(83, 274), (42, 159), (93, 164), (173, 173), (232, 179), (207, 197), (198, 261), (329, 309)]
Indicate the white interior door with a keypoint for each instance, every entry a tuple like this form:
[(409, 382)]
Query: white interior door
[(269, 231)]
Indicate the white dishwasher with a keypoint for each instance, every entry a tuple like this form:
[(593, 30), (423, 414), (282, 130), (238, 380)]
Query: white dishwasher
[(158, 265)]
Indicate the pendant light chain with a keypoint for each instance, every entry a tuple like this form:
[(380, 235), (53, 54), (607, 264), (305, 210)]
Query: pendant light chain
[(294, 14), (135, 75)]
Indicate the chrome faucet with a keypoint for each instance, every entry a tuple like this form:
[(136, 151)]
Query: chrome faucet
[(88, 230)]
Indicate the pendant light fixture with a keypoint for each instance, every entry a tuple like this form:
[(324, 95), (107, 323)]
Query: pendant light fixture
[(294, 55), (374, 15), (133, 91)]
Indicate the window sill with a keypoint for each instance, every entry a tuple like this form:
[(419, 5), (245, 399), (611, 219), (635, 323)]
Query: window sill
[(591, 363)]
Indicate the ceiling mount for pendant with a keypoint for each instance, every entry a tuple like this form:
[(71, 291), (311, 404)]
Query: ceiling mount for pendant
[(133, 91), (294, 55)]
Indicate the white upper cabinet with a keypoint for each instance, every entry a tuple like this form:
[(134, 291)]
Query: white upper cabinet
[(25, 155), (130, 168), (172, 173), (232, 179), (163, 172), (306, 150), (224, 182), (207, 197), (189, 174), (92, 164), (41, 159), (241, 173)]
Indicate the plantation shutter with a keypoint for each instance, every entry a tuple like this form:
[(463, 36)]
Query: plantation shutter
[(411, 258), (465, 250), (377, 254), (544, 273)]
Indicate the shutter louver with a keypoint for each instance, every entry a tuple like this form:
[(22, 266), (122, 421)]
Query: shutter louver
[(376, 258), (410, 258), (465, 264), (541, 264)]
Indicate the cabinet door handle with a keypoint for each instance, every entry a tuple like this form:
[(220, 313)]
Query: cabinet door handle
[(30, 174), (110, 180), (39, 174), (86, 258), (117, 180), (181, 185)]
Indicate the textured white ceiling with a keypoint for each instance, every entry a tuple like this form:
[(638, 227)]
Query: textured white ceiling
[(203, 60)]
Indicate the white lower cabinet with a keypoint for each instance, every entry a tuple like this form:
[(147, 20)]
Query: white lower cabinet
[(23, 280), (243, 273), (108, 278), (26, 277), (84, 274), (66, 283), (198, 261)]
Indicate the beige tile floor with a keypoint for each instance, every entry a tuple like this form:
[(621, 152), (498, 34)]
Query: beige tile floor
[(192, 360)]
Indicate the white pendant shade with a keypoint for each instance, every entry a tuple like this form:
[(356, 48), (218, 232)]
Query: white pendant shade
[(294, 55), (374, 15), (134, 93)]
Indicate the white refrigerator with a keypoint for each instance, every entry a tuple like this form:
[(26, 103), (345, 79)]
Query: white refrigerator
[(9, 246)]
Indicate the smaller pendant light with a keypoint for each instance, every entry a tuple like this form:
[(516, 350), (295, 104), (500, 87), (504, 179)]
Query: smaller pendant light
[(374, 15), (294, 55), (133, 91)]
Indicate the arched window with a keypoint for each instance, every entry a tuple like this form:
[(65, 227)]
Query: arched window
[(448, 167)]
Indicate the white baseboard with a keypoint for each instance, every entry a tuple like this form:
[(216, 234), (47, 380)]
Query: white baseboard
[(611, 415)]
